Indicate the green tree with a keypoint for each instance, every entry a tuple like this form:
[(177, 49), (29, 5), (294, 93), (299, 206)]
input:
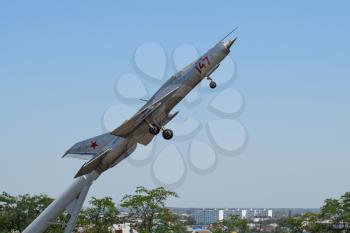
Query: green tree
[(217, 227), (169, 222), (231, 224), (189, 220), (16, 213), (8, 212), (100, 216), (334, 217), (147, 211), (234, 223), (281, 229), (337, 213), (294, 224), (345, 200)]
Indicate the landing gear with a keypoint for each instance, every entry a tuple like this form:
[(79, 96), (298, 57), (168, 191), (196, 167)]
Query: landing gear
[(168, 134), (154, 129), (212, 84)]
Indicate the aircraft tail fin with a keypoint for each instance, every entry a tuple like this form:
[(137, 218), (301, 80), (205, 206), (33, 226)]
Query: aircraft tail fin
[(91, 147)]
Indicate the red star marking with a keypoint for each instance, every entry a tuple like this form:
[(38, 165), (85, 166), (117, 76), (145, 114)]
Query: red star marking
[(93, 145)]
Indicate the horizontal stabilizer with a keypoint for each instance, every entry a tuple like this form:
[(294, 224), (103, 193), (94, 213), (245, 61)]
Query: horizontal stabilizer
[(92, 164)]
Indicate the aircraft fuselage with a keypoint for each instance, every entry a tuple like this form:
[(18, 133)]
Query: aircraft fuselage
[(187, 79)]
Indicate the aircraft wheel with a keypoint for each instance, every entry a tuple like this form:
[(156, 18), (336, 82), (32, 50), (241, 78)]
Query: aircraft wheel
[(212, 84), (154, 129), (168, 134)]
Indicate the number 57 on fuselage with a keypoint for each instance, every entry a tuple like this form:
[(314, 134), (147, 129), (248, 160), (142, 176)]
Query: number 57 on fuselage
[(107, 150)]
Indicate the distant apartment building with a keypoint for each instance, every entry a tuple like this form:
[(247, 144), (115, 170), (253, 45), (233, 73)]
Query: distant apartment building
[(228, 212), (206, 216), (262, 213), (248, 213), (269, 213)]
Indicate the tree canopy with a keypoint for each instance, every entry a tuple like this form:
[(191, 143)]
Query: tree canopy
[(334, 217), (147, 211), (100, 216), (232, 224), (18, 212)]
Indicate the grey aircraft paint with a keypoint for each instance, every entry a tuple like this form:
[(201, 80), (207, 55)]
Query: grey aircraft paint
[(107, 150)]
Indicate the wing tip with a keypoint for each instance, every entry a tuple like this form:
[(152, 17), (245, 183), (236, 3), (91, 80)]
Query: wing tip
[(65, 154)]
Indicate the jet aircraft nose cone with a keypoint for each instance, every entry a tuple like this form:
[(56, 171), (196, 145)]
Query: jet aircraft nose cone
[(229, 43)]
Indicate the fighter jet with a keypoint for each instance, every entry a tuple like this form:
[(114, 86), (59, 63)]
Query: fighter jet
[(109, 149)]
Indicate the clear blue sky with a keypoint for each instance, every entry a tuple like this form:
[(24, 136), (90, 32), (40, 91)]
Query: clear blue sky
[(59, 61)]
